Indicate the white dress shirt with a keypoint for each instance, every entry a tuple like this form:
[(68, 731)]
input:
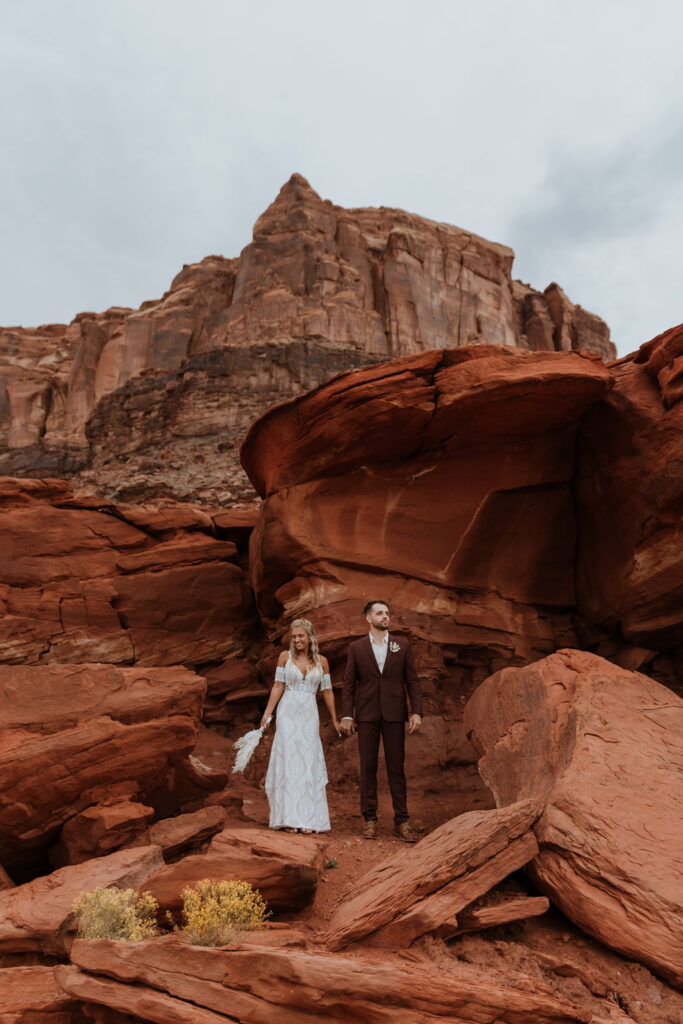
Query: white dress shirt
[(379, 649)]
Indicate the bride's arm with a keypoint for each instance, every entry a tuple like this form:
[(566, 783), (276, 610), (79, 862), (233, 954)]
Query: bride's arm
[(328, 695), (276, 692)]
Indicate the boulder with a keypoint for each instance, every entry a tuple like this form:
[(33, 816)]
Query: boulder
[(176, 835), (284, 868), (38, 915), (599, 748), (421, 890), (74, 736), (99, 830), (258, 984), (446, 475), (81, 583)]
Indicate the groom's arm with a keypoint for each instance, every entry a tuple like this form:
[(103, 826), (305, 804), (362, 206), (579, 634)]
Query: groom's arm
[(349, 685), (412, 683)]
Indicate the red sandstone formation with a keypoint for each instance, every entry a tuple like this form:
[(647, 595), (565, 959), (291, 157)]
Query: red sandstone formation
[(442, 480), (283, 869), (599, 747), (154, 401), (185, 831), (422, 890), (81, 738), (165, 980), (31, 995), (90, 581), (630, 499), (506, 500), (38, 915)]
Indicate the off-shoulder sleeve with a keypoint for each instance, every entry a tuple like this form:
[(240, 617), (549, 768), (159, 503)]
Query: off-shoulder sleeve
[(280, 674), (326, 683)]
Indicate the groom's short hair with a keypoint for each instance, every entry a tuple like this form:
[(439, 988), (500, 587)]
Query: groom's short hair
[(370, 605)]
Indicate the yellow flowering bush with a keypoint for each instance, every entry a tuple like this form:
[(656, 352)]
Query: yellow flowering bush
[(116, 914), (214, 912)]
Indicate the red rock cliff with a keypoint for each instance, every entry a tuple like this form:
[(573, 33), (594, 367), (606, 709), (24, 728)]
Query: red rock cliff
[(154, 401)]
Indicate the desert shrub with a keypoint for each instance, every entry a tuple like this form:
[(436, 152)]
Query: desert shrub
[(116, 914), (214, 912)]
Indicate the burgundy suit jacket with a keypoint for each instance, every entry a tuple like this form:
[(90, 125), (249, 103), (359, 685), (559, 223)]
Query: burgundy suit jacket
[(380, 695)]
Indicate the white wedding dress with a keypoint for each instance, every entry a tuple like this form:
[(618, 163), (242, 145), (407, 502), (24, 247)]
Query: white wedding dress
[(297, 776)]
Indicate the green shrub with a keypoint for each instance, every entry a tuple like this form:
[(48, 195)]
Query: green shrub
[(116, 914), (214, 912)]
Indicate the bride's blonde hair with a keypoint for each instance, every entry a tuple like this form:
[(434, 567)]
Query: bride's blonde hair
[(313, 650)]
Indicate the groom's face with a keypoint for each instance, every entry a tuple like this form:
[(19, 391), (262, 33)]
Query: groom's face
[(379, 616)]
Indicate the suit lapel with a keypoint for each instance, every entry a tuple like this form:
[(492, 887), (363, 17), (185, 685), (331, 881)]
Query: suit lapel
[(371, 655)]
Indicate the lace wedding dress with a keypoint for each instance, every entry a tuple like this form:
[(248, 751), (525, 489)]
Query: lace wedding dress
[(296, 778)]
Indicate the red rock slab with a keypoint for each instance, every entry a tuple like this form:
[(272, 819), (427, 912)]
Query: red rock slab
[(459, 846), (100, 830), (140, 1002), (31, 995), (416, 404), (163, 518), (193, 548), (174, 835), (38, 915), (284, 868), (258, 985), (600, 747), (70, 732), (439, 913), (477, 918)]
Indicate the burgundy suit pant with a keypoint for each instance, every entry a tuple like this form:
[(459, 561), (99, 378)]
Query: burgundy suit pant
[(393, 740)]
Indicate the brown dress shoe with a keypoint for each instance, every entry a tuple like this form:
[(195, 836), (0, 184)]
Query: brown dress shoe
[(405, 832), (370, 830)]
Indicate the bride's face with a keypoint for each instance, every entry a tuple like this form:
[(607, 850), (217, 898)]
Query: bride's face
[(299, 638)]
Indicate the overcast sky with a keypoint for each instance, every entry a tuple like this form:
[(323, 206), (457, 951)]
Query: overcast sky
[(138, 135)]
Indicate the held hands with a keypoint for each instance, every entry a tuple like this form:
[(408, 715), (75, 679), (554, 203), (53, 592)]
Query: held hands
[(414, 723), (347, 726), (337, 726)]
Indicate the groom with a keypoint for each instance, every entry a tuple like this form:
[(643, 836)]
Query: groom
[(379, 669)]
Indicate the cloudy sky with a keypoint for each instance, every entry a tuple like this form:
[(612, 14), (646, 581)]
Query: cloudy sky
[(138, 135)]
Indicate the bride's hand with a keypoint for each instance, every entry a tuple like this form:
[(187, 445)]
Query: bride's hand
[(337, 727), (265, 722)]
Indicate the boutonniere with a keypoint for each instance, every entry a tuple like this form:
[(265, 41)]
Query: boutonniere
[(394, 647)]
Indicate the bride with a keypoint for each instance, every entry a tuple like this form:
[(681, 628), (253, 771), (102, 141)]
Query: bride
[(296, 777)]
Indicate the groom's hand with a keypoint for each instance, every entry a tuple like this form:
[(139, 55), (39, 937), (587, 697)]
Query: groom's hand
[(414, 723), (348, 726)]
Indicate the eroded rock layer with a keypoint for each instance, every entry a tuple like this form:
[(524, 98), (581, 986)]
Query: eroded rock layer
[(153, 401)]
